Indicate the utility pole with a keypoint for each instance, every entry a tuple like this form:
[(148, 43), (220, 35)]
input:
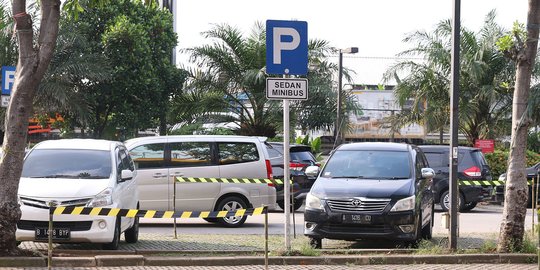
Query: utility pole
[(454, 124)]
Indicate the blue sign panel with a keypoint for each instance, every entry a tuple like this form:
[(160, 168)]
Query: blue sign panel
[(8, 79), (286, 47)]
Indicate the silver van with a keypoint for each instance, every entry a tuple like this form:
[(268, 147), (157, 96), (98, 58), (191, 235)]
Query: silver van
[(161, 159)]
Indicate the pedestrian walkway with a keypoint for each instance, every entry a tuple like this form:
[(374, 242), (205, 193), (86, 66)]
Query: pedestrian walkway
[(309, 267)]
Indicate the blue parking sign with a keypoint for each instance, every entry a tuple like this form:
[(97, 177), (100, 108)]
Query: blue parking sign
[(286, 47), (8, 79)]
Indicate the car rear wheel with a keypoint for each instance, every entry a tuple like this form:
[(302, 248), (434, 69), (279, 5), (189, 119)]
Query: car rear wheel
[(444, 201), (469, 206), (297, 204), (232, 204)]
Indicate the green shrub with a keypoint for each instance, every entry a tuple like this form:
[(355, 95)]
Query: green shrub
[(498, 161), (314, 143)]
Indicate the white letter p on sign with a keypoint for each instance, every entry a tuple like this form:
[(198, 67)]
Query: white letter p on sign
[(284, 46)]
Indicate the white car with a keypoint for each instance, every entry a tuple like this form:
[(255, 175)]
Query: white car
[(161, 159), (78, 172)]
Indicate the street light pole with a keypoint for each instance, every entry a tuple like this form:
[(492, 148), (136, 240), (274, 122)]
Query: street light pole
[(337, 127)]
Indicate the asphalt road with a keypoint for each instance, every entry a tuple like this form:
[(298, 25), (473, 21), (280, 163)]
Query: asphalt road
[(483, 219)]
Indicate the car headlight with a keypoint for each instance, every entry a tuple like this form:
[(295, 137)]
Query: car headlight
[(104, 198), (404, 204), (313, 202)]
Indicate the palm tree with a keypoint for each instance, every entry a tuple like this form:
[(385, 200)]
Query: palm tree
[(72, 69), (8, 44), (232, 80), (484, 86)]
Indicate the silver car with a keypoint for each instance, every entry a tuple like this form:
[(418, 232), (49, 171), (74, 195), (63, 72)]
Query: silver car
[(161, 159)]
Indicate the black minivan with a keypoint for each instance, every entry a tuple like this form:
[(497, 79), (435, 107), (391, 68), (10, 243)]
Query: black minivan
[(371, 191), (472, 166)]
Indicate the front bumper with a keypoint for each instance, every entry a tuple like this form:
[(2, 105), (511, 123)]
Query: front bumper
[(382, 226), (83, 229)]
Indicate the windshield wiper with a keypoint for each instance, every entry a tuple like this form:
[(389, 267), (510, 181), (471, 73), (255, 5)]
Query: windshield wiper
[(93, 177), (356, 177), (56, 176), (390, 177)]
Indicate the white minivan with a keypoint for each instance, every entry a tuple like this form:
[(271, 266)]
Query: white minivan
[(161, 159), (78, 172)]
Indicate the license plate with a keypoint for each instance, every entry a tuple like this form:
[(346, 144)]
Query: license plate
[(57, 234), (357, 219)]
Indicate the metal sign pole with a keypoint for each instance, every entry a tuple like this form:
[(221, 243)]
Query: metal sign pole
[(50, 232), (265, 237), (454, 124), (174, 207), (286, 176)]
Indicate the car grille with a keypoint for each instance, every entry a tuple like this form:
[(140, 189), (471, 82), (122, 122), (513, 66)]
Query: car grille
[(72, 225), (356, 228), (358, 205), (44, 204)]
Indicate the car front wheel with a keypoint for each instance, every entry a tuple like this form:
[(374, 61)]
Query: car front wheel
[(115, 243), (315, 242), (132, 234)]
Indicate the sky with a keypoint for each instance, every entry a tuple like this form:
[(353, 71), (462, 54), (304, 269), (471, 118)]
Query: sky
[(376, 27)]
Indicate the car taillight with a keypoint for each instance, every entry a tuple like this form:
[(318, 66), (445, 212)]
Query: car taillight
[(473, 171), (269, 173), (297, 166)]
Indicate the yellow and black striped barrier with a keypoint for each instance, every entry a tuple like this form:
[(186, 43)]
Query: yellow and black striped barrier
[(486, 182), (229, 180), (117, 212), (481, 182)]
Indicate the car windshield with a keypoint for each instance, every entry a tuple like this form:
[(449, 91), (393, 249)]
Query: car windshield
[(368, 164), (67, 163)]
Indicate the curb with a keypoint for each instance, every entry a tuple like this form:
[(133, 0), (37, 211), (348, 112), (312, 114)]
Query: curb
[(140, 260)]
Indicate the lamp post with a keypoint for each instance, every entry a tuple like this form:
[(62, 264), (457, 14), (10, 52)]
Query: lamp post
[(351, 50)]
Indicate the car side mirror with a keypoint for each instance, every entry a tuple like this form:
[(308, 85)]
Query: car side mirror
[(428, 173), (126, 175), (312, 171)]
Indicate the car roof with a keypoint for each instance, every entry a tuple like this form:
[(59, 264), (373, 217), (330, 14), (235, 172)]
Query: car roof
[(280, 144), (91, 144), (445, 147), (209, 137), (385, 146)]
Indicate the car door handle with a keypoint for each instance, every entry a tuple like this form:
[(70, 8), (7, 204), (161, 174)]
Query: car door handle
[(159, 175), (177, 174)]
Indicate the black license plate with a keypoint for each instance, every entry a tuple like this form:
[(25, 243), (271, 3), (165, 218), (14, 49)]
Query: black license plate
[(357, 219), (57, 234)]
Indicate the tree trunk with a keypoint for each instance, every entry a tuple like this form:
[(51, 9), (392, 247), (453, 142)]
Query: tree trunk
[(513, 223), (31, 67)]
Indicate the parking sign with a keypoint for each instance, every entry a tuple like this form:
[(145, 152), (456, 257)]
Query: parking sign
[(286, 47), (8, 79)]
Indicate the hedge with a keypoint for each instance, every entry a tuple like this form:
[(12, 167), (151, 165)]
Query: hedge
[(498, 161)]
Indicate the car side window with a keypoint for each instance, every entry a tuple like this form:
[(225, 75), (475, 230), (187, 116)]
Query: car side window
[(149, 156), (127, 163), (419, 164), (437, 160), (237, 152), (190, 154)]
